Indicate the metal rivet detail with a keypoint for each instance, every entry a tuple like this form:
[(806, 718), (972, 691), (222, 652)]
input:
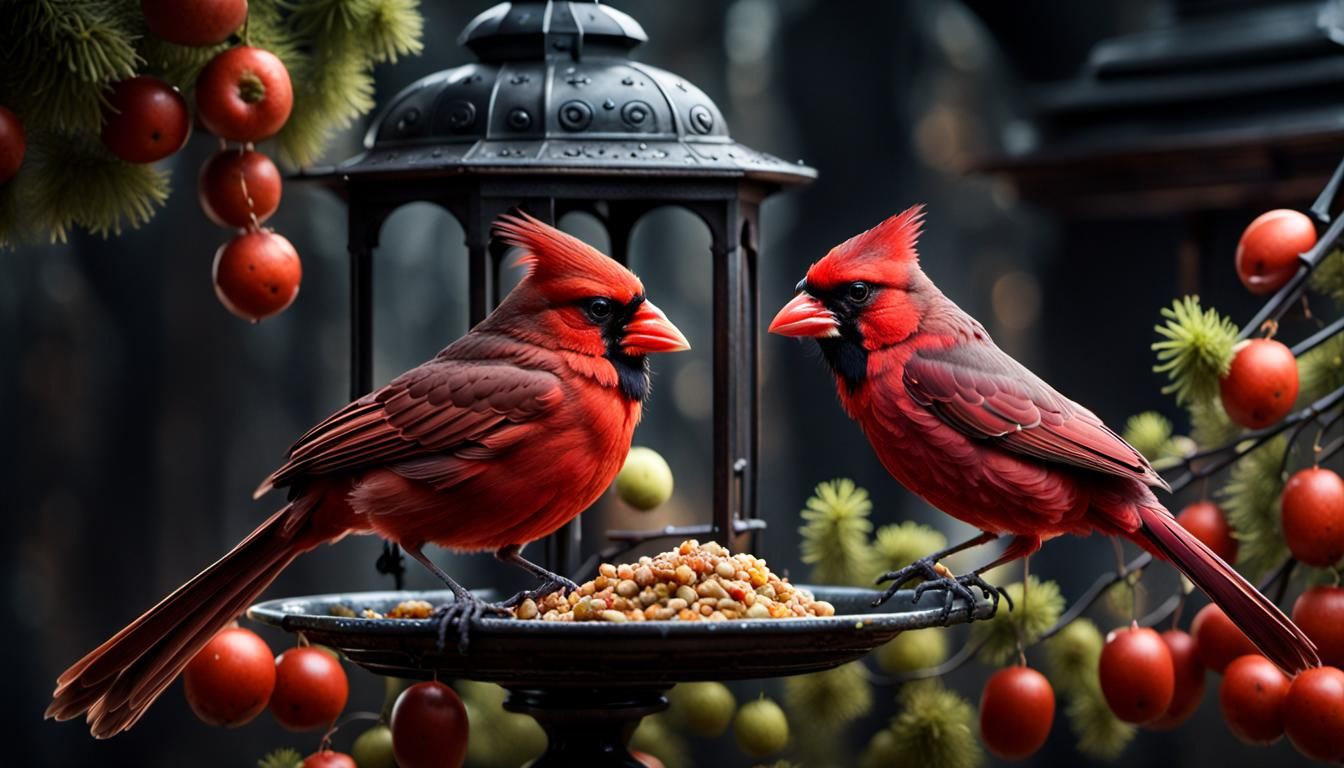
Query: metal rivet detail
[(702, 120), (460, 114), (575, 115), (636, 113), (519, 119)]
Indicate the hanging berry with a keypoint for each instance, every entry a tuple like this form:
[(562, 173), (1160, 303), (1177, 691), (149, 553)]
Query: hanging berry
[(13, 144), (1320, 613), (1217, 639), (145, 120), (329, 759), (1189, 676), (257, 274), (231, 679), (1268, 250), (1261, 385), (1313, 714), (1137, 675), (244, 94), (310, 689), (1017, 709), (1313, 516), (429, 727), (236, 185), (1252, 697), (1208, 523), (194, 22)]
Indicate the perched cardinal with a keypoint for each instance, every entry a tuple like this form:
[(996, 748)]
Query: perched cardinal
[(977, 435), (502, 438)]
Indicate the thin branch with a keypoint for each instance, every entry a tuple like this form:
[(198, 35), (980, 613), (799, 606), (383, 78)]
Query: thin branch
[(1094, 593), (968, 651)]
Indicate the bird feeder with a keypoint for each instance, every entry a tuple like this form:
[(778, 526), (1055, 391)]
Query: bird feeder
[(555, 117)]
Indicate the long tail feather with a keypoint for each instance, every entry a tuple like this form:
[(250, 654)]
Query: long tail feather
[(116, 682), (1273, 633)]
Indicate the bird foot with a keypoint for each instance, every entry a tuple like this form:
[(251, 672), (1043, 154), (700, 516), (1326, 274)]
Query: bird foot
[(463, 612), (926, 568), (938, 578), (554, 583)]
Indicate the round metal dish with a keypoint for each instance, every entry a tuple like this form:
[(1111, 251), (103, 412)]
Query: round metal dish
[(589, 683)]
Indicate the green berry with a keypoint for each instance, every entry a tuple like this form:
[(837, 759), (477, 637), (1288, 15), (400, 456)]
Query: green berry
[(918, 649), (761, 728), (705, 708), (373, 748), (645, 481)]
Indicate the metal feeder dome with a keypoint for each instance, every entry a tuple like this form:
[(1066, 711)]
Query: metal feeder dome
[(555, 118)]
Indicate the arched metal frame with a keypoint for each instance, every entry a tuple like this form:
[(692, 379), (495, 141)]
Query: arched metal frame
[(730, 208)]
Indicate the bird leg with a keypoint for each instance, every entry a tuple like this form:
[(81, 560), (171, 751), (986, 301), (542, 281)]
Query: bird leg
[(932, 572), (550, 581), (463, 611)]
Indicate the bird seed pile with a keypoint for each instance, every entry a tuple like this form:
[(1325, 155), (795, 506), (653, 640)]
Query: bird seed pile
[(694, 582)]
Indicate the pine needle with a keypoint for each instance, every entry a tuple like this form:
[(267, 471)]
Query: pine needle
[(1072, 656), (1101, 735), (1209, 425), (829, 700), (835, 534), (1196, 351), (1030, 618), (1149, 433), (394, 29), (1328, 277), (281, 758), (900, 545), (1321, 370), (78, 182), (1251, 501), (935, 729)]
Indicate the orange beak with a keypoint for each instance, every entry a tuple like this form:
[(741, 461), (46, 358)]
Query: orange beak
[(649, 331), (805, 316)]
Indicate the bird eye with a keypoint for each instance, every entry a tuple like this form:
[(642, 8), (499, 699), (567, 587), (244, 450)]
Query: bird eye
[(859, 292), (598, 309)]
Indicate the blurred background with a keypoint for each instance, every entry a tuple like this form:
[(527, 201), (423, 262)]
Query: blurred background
[(138, 415)]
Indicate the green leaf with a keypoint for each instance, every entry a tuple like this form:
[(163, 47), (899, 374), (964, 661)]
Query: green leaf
[(835, 534), (1195, 351)]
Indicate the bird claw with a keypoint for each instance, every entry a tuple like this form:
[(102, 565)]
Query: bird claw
[(925, 567), (556, 583), (464, 611), (938, 578)]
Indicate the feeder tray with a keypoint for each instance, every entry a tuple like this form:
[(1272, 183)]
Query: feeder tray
[(589, 683)]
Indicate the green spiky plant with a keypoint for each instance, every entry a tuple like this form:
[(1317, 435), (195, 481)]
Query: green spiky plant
[(64, 54)]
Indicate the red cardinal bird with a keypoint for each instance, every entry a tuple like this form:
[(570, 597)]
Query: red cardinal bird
[(502, 438), (967, 428)]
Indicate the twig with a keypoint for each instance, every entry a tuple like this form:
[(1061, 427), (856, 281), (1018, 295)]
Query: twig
[(1094, 593), (968, 651)]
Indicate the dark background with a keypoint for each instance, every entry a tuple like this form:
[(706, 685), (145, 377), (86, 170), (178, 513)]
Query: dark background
[(138, 414)]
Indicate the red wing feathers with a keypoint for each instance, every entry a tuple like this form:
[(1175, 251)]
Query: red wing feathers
[(984, 393), (472, 408)]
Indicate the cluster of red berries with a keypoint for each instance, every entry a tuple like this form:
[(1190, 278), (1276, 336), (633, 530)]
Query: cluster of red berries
[(1157, 680), (243, 95), (235, 676)]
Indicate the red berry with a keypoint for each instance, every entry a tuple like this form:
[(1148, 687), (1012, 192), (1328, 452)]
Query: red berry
[(1313, 516), (1206, 521), (234, 184), (1017, 709), (244, 94), (1137, 675), (230, 680), (1320, 613), (13, 144), (1217, 639), (1313, 714), (145, 120), (1267, 252), (329, 759), (1252, 699), (194, 22), (1260, 387), (429, 727), (649, 761), (257, 274), (310, 689), (1189, 680)]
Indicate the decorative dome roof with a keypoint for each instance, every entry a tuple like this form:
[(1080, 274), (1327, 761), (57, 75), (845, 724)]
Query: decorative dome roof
[(555, 89)]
